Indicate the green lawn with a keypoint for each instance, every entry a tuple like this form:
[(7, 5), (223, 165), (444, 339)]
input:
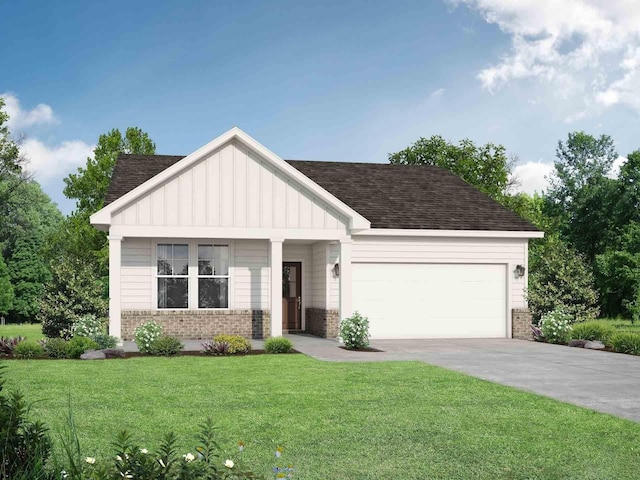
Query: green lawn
[(623, 324), (336, 420), (32, 331)]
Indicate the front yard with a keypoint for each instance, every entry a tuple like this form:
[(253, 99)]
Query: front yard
[(334, 420)]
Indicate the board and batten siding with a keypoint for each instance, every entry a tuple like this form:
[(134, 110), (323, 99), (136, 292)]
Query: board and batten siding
[(231, 187), (444, 250), (136, 274)]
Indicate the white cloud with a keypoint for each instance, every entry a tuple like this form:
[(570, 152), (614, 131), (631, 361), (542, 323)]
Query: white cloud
[(585, 49), (533, 176), (41, 114), (50, 162), (615, 168), (437, 93)]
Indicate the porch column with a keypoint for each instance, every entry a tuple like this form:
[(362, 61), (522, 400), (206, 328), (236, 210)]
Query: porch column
[(115, 324), (276, 286), (344, 310)]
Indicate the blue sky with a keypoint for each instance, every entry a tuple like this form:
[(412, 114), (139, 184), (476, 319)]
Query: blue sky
[(346, 81)]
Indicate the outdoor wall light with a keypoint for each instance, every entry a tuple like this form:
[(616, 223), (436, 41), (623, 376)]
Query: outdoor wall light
[(336, 269), (519, 271)]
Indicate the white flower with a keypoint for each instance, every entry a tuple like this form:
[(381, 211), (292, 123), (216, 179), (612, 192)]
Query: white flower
[(144, 450), (90, 460), (119, 458), (189, 457), (229, 464)]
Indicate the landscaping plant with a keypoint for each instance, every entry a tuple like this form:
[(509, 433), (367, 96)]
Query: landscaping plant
[(88, 326), (594, 330), (78, 345), (105, 341), (215, 348), (237, 344), (56, 347), (145, 334), (278, 345), (626, 342), (556, 326), (28, 349), (354, 332), (166, 346), (8, 344)]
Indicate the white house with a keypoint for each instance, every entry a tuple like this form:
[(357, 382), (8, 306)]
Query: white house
[(234, 239)]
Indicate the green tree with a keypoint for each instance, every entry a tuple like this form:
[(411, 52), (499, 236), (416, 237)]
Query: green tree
[(560, 277), (28, 274), (12, 172), (486, 167), (6, 289), (76, 237), (73, 292)]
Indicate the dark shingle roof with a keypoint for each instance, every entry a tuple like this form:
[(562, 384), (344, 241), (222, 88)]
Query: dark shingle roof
[(389, 196)]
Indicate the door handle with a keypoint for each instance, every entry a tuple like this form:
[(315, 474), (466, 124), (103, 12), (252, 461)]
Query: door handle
[(299, 303)]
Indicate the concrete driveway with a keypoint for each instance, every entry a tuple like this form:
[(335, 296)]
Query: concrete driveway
[(603, 381)]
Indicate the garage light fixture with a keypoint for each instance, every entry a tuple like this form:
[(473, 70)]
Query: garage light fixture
[(519, 271), (336, 270)]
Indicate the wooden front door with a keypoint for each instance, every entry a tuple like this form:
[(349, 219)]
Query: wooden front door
[(292, 296)]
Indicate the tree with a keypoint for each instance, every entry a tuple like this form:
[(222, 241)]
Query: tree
[(76, 237), (72, 293), (485, 167), (560, 277), (12, 172), (28, 274), (6, 290)]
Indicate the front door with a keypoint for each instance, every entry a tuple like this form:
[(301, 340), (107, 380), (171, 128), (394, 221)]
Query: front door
[(291, 296)]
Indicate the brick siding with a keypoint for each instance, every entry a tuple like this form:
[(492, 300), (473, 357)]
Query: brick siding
[(521, 324), (200, 325), (322, 323)]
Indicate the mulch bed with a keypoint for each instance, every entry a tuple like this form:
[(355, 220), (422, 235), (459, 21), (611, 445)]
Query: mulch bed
[(181, 354), (366, 349)]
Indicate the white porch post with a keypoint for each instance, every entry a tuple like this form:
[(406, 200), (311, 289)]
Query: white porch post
[(115, 324), (276, 286), (344, 310)]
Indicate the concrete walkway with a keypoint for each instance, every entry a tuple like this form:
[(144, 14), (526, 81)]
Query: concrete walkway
[(603, 381)]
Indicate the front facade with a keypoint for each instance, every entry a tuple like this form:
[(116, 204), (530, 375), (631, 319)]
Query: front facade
[(233, 239)]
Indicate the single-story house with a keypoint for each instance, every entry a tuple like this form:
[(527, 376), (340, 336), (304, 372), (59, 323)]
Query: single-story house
[(234, 239)]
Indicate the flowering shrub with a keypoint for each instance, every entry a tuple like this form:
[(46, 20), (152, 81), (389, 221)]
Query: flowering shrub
[(88, 326), (354, 332), (556, 326), (145, 334)]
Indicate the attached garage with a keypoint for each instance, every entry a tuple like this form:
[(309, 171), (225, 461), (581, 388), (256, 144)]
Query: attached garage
[(430, 300)]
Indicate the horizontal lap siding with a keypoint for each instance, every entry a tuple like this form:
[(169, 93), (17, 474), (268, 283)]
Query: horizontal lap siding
[(445, 250), (136, 274), (318, 297), (251, 274), (334, 282)]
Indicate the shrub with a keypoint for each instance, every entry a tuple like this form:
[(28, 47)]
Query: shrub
[(166, 346), (78, 345), (556, 326), (592, 331), (8, 344), (237, 344), (88, 326), (278, 345), (145, 334), (354, 332), (626, 342), (561, 277), (28, 349), (74, 291), (24, 445), (105, 341), (215, 348), (56, 348)]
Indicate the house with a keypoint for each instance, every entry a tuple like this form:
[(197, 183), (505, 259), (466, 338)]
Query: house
[(234, 239)]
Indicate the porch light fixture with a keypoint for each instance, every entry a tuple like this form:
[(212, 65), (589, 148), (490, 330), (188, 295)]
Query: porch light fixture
[(336, 270), (519, 271)]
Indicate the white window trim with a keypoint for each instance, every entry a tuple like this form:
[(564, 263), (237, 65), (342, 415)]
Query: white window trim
[(187, 276), (193, 272)]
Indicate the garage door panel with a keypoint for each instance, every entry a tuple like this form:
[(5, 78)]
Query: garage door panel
[(431, 300)]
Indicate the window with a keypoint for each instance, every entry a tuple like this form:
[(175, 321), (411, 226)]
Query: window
[(213, 276), (173, 275)]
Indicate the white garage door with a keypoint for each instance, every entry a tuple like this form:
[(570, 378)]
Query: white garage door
[(431, 300)]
